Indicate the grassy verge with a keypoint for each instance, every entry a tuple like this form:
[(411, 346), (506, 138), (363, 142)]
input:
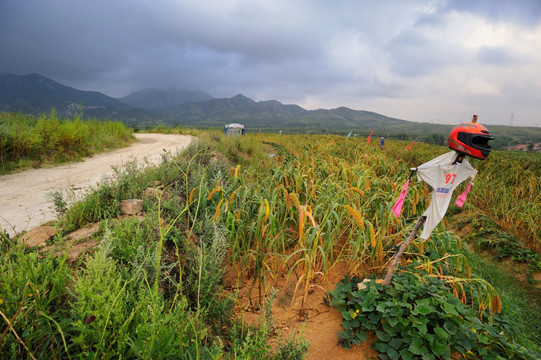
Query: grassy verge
[(27, 141), (520, 301)]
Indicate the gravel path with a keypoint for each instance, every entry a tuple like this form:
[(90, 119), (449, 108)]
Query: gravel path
[(23, 196)]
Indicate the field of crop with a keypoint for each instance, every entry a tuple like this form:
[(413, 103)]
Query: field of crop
[(269, 206)]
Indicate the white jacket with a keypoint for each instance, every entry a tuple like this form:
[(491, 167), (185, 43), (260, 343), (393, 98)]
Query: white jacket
[(443, 176)]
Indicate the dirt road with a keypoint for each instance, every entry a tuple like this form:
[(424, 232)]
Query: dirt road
[(23, 196)]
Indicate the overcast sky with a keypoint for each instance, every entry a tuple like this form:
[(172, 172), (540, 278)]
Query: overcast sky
[(419, 60)]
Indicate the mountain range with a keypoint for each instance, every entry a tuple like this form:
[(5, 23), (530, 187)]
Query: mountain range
[(148, 108), (37, 94)]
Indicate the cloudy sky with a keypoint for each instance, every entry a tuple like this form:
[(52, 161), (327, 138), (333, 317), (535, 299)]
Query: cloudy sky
[(420, 60)]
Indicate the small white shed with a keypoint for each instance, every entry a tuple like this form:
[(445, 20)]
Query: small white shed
[(234, 129)]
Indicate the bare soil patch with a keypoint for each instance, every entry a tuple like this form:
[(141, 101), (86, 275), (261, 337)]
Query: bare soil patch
[(318, 322)]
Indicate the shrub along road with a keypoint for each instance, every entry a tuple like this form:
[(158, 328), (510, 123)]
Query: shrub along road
[(23, 196)]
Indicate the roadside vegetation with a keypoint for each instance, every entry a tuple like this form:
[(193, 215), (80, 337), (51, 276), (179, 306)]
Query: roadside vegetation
[(300, 206), (31, 141)]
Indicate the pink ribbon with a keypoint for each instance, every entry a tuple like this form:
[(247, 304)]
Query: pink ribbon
[(397, 207), (462, 198)]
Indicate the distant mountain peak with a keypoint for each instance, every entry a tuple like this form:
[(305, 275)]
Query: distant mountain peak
[(242, 100), (160, 100)]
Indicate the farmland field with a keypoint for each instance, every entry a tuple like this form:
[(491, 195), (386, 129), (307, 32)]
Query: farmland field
[(243, 227)]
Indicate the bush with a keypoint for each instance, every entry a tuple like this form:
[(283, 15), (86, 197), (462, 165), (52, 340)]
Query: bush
[(99, 308)]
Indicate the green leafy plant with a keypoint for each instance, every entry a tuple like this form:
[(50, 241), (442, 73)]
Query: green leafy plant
[(60, 205), (417, 317), (99, 307)]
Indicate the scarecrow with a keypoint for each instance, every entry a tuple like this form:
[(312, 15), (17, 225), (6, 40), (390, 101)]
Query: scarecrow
[(444, 174)]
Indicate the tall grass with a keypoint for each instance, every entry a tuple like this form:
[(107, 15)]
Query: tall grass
[(32, 141)]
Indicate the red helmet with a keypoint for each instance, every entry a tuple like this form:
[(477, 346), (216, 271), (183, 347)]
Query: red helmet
[(470, 139)]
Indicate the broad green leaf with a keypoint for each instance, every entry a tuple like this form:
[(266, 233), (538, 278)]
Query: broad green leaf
[(406, 354), (399, 287), (421, 327), (383, 336), (441, 333), (395, 342), (405, 321), (374, 317), (381, 347), (360, 334), (430, 337), (381, 307), (393, 354), (450, 327), (414, 319), (346, 315), (417, 347), (396, 312), (423, 309), (483, 339), (449, 309), (337, 302), (440, 348), (347, 324), (393, 321), (367, 307), (390, 329)]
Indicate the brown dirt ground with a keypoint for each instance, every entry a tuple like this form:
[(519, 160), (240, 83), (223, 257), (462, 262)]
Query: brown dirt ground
[(318, 322)]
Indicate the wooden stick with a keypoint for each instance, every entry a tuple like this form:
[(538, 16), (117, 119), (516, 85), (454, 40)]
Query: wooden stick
[(420, 221)]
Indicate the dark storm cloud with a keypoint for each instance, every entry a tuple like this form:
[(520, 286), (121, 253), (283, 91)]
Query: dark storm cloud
[(62, 39), (175, 42), (356, 53)]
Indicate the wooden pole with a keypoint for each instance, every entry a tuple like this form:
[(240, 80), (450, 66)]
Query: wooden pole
[(394, 262)]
